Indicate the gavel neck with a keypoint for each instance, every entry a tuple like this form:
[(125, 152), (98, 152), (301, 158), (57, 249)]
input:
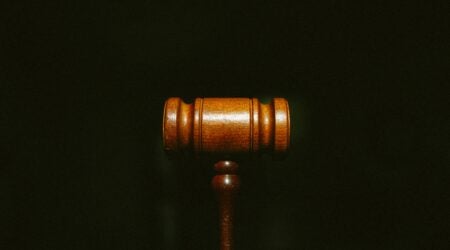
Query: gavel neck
[(226, 184)]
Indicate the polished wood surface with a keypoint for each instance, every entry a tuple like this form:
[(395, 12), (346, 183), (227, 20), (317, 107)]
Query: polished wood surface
[(226, 126)]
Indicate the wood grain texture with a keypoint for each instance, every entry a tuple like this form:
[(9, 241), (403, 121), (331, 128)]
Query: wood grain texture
[(226, 126)]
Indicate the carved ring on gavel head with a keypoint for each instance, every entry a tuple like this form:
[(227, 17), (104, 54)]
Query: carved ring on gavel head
[(226, 126)]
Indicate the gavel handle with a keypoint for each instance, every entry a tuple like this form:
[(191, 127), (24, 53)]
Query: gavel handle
[(226, 184)]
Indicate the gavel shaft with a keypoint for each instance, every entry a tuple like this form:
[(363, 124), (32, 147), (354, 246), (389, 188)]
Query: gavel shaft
[(226, 184)]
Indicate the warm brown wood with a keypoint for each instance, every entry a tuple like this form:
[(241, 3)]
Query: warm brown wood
[(226, 126), (226, 184)]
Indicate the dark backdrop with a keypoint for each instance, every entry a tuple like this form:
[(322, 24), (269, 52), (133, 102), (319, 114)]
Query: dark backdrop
[(82, 92)]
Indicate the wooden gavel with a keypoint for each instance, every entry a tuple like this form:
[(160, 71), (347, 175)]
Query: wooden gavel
[(225, 129)]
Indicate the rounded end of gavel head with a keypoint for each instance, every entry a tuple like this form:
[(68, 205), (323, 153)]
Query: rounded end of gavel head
[(226, 127)]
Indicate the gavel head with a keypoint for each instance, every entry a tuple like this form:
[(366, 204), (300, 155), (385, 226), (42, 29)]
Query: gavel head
[(226, 126)]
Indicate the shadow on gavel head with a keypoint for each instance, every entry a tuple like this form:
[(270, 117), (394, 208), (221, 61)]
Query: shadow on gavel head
[(226, 128)]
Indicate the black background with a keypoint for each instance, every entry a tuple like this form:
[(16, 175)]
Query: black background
[(82, 92)]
